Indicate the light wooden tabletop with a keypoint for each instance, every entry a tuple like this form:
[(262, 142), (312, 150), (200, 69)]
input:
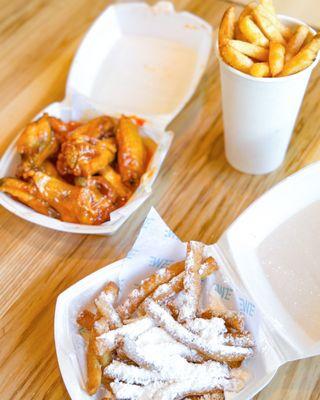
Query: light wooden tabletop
[(197, 192)]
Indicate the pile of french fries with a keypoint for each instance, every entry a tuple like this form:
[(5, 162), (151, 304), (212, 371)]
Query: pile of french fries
[(158, 343), (260, 45)]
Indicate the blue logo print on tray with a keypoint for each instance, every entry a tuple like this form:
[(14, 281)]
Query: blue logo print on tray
[(159, 262), (245, 306)]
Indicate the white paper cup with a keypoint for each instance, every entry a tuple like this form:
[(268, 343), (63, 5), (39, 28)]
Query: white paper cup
[(259, 114)]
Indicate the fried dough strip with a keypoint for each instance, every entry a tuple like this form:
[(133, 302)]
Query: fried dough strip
[(175, 285), (232, 318), (105, 305), (191, 281), (219, 353), (146, 287)]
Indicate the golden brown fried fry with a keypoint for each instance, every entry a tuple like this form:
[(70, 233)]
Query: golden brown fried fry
[(86, 319), (236, 59), (296, 41), (252, 32), (238, 34), (114, 179), (284, 30), (232, 319), (227, 26), (38, 142), (27, 194), (276, 58), (268, 4), (304, 58), (247, 10), (214, 395), (146, 287), (94, 372), (260, 70), (86, 156), (74, 204), (267, 27), (250, 50), (131, 152)]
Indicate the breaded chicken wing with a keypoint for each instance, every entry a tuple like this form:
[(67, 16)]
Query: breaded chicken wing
[(131, 152), (27, 194), (75, 204), (85, 156)]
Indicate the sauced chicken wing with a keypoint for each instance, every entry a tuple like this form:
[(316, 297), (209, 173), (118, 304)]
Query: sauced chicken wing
[(38, 142), (114, 179), (101, 127), (28, 194), (85, 205), (131, 152), (85, 156)]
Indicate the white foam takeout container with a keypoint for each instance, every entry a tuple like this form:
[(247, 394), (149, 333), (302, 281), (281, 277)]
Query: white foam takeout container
[(135, 60), (269, 271)]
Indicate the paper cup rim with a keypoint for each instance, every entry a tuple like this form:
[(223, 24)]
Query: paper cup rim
[(271, 79)]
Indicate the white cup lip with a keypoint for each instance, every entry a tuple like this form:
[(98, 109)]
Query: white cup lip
[(272, 79)]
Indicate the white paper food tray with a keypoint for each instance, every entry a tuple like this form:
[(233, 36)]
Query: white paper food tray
[(135, 60), (268, 271)]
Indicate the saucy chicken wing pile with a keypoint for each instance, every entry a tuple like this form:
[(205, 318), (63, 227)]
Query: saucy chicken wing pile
[(79, 172)]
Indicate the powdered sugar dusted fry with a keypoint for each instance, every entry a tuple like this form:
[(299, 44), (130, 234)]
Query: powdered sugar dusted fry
[(260, 70), (168, 290), (232, 319), (227, 26), (214, 395), (86, 319), (104, 303), (267, 27), (296, 41), (252, 32), (250, 50), (304, 58), (276, 58), (191, 281), (236, 59), (147, 286), (219, 353)]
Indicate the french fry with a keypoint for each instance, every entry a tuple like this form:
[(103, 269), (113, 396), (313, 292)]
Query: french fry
[(227, 26), (296, 41), (260, 70), (94, 372), (304, 58), (285, 30), (247, 10), (252, 32), (276, 58), (268, 4), (309, 37), (267, 27), (250, 50), (238, 34), (236, 59)]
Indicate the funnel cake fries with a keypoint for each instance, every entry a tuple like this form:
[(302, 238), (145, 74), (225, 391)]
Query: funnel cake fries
[(257, 43), (186, 353), (79, 172)]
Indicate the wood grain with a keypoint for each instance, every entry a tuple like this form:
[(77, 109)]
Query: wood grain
[(197, 192)]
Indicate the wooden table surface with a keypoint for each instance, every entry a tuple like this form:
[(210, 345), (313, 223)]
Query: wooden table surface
[(197, 192)]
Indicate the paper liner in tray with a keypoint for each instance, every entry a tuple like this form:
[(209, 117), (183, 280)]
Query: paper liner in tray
[(156, 247)]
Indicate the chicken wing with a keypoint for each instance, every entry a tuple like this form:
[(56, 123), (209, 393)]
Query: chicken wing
[(131, 152), (114, 179), (27, 194), (38, 142), (85, 157), (99, 128), (84, 205)]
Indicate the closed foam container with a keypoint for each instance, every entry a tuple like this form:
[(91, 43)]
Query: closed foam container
[(269, 271), (135, 60)]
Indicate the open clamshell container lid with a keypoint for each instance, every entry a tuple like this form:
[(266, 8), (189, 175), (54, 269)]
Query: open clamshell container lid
[(141, 60), (135, 60), (268, 271)]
